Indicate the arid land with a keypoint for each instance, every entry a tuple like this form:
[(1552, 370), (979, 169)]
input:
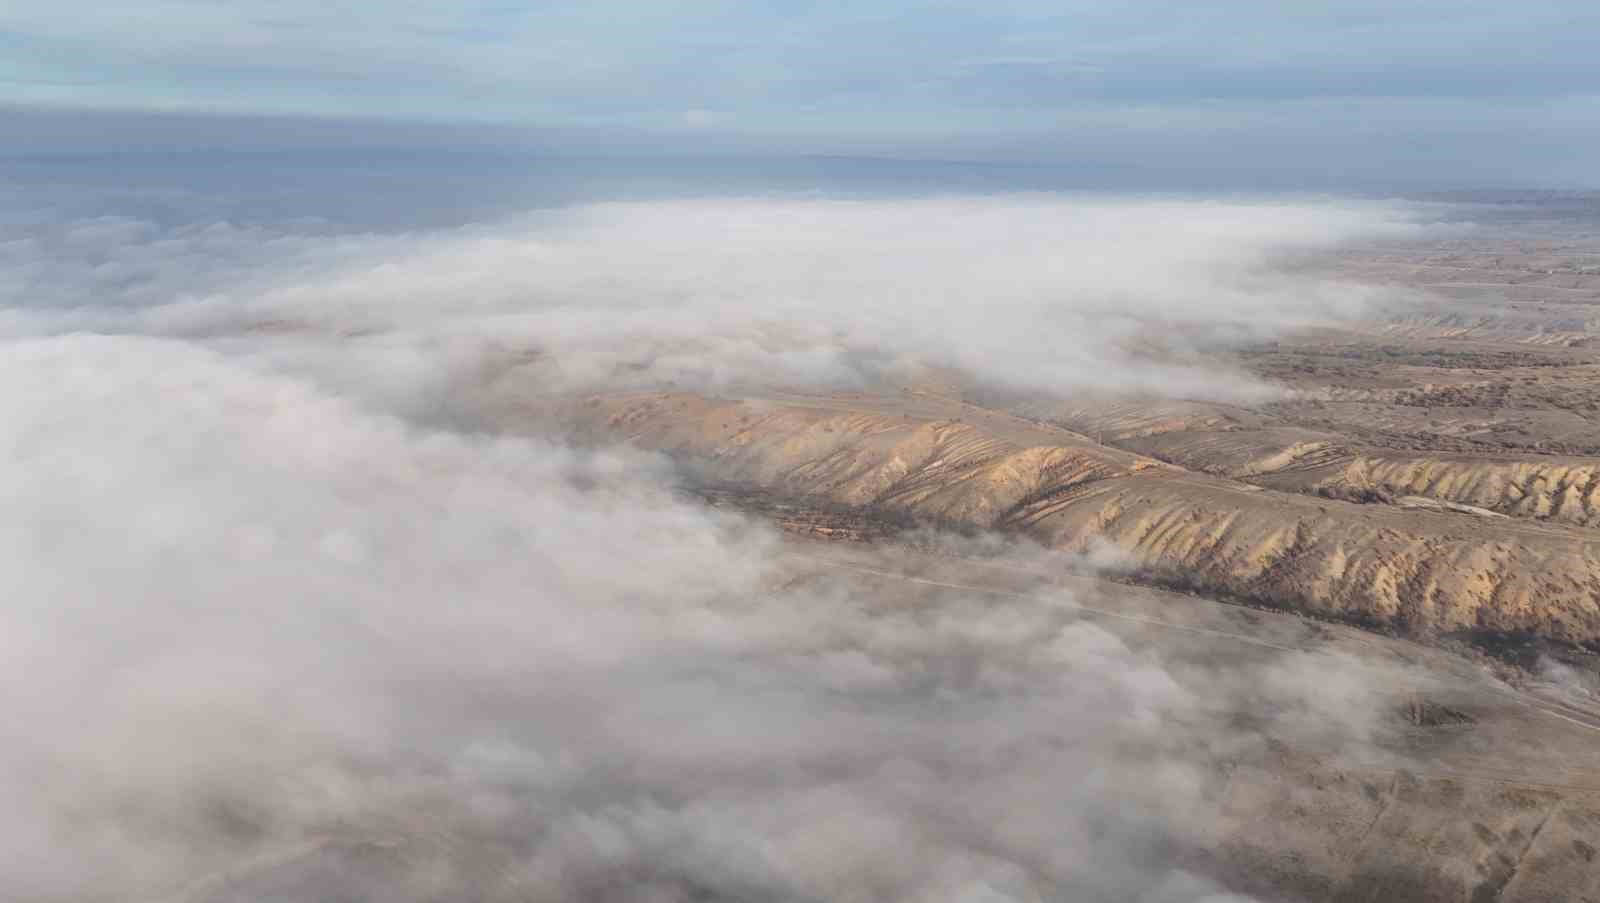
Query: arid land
[(1432, 470), (1425, 488)]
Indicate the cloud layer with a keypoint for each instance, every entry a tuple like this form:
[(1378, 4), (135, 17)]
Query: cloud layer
[(1035, 292), (245, 616), (279, 610)]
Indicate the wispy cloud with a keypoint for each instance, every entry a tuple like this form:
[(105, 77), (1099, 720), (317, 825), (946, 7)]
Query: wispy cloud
[(1030, 292)]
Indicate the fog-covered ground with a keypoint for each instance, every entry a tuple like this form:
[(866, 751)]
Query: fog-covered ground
[(269, 582)]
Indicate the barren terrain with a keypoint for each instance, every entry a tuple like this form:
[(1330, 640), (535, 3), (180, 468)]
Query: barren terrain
[(1431, 471)]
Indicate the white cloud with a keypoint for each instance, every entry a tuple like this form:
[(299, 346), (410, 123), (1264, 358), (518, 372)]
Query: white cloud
[(1039, 292), (258, 603)]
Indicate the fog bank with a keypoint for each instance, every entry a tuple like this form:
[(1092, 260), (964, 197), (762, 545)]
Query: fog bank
[(274, 596)]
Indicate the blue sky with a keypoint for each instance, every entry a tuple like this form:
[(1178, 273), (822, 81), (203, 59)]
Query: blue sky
[(1402, 84)]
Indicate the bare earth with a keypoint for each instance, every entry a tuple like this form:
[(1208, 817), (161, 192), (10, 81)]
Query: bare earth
[(1433, 471)]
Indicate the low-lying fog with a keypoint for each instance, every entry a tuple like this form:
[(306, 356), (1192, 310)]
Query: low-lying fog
[(268, 585)]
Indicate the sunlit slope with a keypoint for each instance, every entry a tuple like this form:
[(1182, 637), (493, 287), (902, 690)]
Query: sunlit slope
[(1408, 567)]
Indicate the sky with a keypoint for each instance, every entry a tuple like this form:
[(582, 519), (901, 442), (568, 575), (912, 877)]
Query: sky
[(1448, 89)]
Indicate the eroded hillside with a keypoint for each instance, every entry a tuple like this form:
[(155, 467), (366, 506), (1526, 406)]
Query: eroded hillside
[(1434, 469), (1410, 567)]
